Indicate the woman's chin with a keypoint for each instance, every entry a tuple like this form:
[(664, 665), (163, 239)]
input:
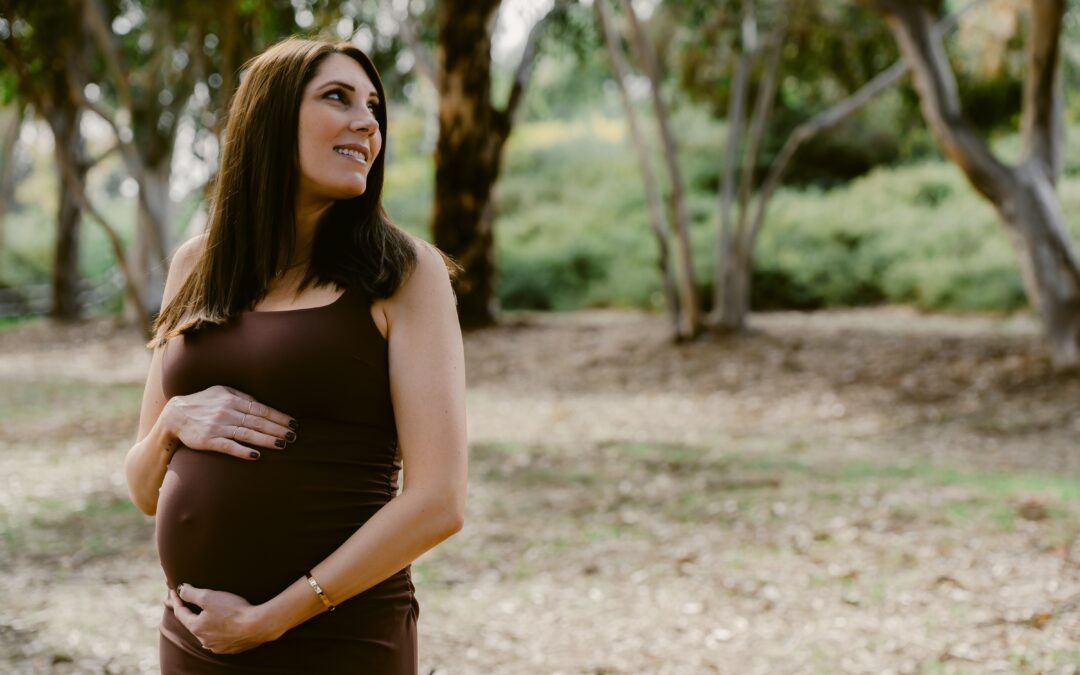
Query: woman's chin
[(351, 191)]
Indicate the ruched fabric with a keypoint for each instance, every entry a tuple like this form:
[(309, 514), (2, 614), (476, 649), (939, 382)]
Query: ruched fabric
[(253, 528)]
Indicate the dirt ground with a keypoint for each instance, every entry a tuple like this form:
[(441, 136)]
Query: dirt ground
[(872, 491)]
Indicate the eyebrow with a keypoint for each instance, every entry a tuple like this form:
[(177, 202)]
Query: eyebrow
[(345, 85)]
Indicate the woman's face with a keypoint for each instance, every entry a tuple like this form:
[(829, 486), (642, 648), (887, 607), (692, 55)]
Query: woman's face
[(338, 135)]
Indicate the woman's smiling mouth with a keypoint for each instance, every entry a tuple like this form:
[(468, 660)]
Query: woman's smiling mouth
[(357, 155)]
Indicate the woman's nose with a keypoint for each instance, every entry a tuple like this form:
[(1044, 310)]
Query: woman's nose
[(366, 124)]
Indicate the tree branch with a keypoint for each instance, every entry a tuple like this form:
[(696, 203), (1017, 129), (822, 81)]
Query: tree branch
[(91, 163), (8, 143), (71, 178), (648, 174), (759, 121), (830, 117), (425, 64), (1043, 122), (736, 108), (97, 23), (939, 97), (690, 327), (524, 70)]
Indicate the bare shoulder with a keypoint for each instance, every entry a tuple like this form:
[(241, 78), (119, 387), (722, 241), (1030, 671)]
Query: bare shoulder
[(430, 272), (426, 290), (183, 262), (188, 253)]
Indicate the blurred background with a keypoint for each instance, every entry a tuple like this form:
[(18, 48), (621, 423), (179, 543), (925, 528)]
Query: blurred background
[(772, 315)]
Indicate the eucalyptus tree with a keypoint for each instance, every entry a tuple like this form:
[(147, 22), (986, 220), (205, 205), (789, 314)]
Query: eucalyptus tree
[(1024, 192), (661, 230), (473, 131), (164, 62), (14, 112), (45, 60)]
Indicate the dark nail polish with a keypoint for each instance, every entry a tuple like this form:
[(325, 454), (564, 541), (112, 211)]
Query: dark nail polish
[(290, 436), (279, 443), (293, 424), (254, 454)]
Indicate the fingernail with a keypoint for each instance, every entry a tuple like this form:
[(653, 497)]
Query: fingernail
[(294, 424), (290, 436), (280, 442), (254, 454)]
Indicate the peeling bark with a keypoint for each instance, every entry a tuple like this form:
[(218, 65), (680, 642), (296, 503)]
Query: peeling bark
[(659, 225), (7, 164), (67, 146), (690, 315), (726, 314), (131, 288), (1024, 194), (736, 266), (469, 150), (149, 269)]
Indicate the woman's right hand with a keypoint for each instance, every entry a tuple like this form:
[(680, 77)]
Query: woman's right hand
[(219, 418)]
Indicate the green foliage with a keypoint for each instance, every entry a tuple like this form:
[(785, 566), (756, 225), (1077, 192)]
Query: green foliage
[(572, 226), (573, 230), (894, 235), (831, 49)]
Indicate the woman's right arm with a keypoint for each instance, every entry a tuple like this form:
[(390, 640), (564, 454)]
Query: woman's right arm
[(214, 419), (148, 459)]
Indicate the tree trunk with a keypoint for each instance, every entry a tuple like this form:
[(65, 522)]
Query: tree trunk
[(690, 314), (152, 234), (466, 154), (1023, 194), (648, 173), (737, 309), (1036, 225), (7, 165), (68, 142), (71, 172), (727, 314)]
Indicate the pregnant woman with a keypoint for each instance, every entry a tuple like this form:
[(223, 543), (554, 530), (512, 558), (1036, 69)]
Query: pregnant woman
[(308, 351)]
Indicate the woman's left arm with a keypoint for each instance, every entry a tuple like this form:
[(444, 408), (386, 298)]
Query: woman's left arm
[(427, 386)]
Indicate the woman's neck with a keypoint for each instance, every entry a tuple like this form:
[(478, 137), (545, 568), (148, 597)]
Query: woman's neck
[(308, 214)]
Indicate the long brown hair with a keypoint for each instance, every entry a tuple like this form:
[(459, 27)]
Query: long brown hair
[(251, 226)]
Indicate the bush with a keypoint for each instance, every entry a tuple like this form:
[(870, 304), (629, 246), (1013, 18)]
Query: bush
[(573, 230), (572, 227)]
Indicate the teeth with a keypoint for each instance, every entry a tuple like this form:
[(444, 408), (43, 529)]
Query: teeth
[(348, 152)]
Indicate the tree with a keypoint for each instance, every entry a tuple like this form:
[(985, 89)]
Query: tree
[(736, 242), (690, 309), (469, 149), (680, 293), (48, 68), (1023, 193), (156, 54), (734, 252), (9, 138), (661, 231)]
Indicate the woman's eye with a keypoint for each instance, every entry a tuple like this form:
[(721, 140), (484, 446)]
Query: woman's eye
[(373, 105), (336, 95)]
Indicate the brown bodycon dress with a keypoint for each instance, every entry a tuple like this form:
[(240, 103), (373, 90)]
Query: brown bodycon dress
[(254, 527)]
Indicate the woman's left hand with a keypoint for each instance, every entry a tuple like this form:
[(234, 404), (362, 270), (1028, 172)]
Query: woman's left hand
[(228, 624)]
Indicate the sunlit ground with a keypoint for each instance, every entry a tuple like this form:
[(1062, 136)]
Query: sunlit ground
[(848, 492)]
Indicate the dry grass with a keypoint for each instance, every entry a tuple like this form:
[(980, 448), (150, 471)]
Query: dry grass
[(845, 492)]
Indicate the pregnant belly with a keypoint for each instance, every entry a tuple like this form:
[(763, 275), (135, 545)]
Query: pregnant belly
[(252, 528)]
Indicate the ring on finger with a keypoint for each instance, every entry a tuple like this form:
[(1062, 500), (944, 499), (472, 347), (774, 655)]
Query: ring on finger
[(243, 422)]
